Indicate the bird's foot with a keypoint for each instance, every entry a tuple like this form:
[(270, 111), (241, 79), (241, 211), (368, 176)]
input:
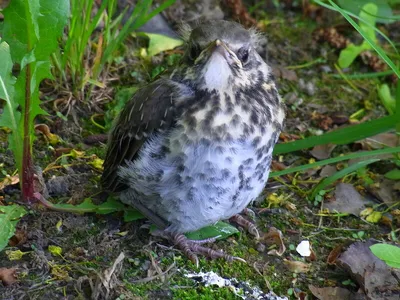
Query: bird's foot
[(246, 224), (193, 247)]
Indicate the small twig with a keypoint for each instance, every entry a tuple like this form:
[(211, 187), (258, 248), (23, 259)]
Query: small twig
[(151, 278)]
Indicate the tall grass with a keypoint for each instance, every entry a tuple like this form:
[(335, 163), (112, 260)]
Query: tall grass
[(355, 132), (93, 36)]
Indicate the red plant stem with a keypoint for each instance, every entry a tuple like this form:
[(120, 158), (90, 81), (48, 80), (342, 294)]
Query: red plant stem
[(27, 177)]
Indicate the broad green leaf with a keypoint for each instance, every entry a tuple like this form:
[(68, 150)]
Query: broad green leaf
[(374, 45), (386, 97), (368, 14), (350, 53), (87, 206), (384, 12), (393, 174), (331, 179), (159, 43), (10, 117), (110, 206), (31, 28), (132, 214), (388, 253), (9, 217), (34, 25), (220, 229)]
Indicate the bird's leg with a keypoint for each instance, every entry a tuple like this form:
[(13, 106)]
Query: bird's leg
[(246, 224), (193, 247)]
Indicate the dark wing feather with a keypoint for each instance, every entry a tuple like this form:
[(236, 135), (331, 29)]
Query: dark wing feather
[(150, 109)]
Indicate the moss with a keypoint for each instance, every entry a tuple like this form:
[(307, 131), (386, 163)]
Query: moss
[(205, 293)]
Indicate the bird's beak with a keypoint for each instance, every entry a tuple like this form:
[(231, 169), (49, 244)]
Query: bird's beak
[(220, 48)]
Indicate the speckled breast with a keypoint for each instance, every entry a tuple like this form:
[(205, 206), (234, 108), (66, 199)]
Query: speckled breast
[(212, 164)]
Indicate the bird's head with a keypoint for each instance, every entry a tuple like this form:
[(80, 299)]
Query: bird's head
[(221, 55)]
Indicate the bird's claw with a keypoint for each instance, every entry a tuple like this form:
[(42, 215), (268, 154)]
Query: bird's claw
[(193, 247), (249, 226)]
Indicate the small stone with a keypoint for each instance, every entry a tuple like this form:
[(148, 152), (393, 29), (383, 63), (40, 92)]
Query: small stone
[(326, 69), (260, 247)]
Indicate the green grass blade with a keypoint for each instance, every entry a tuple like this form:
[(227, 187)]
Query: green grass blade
[(377, 48), (160, 8), (331, 179), (335, 160), (341, 136), (365, 75), (342, 11)]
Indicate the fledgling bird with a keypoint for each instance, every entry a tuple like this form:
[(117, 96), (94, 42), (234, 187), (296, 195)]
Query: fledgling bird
[(194, 148)]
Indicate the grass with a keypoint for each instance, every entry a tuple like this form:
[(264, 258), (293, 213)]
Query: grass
[(91, 43), (351, 133)]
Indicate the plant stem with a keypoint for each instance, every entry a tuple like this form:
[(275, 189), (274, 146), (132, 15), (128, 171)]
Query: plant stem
[(27, 164)]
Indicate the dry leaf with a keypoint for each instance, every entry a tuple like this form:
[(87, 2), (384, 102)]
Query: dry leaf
[(379, 141), (275, 237), (347, 200), (18, 238), (334, 254), (322, 151), (327, 171), (8, 276), (9, 180), (45, 130), (373, 275), (331, 293), (296, 266)]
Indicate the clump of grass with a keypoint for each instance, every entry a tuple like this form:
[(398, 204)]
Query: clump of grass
[(93, 36), (355, 132)]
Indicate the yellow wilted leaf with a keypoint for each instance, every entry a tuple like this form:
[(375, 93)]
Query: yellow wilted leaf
[(45, 130), (55, 250), (273, 200), (75, 153), (15, 255), (374, 217), (97, 163), (297, 266), (58, 225), (122, 233), (366, 212), (60, 272)]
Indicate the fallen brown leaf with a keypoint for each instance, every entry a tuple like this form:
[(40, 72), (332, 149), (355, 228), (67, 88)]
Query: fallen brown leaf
[(45, 130), (376, 279), (9, 180), (327, 171), (8, 276), (297, 266), (331, 293), (347, 200), (384, 191), (322, 151), (334, 254), (275, 237), (379, 141), (18, 238)]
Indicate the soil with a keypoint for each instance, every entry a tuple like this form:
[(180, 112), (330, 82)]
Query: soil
[(153, 269)]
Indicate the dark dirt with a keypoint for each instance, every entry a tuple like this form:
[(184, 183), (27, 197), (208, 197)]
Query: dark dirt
[(152, 269)]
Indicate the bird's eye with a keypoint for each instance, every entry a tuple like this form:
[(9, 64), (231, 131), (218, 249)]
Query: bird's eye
[(243, 55)]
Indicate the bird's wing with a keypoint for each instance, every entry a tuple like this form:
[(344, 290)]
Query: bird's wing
[(151, 109)]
